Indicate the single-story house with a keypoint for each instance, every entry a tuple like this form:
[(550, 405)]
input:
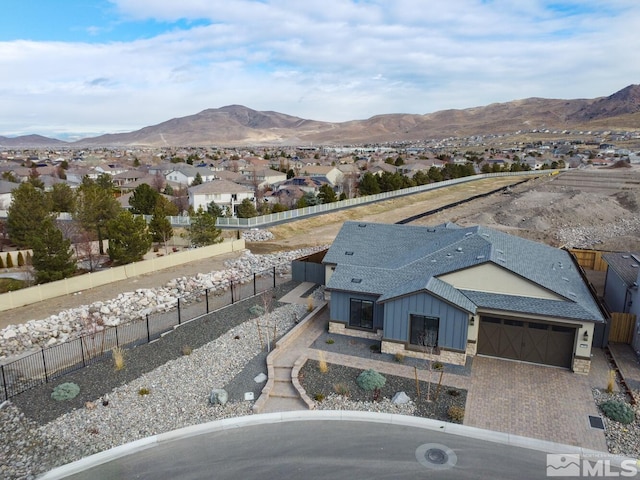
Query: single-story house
[(447, 293), (621, 291)]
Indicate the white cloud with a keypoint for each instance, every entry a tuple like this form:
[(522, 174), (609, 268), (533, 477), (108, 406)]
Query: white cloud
[(330, 60)]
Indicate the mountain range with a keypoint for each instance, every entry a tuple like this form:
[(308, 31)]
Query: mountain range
[(236, 125)]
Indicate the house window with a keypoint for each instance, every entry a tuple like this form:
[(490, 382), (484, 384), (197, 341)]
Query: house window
[(361, 314), (424, 331)]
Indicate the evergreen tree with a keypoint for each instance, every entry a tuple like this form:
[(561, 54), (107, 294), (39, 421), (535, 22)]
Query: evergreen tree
[(143, 200), (215, 210), (28, 210), (160, 227), (52, 254), (368, 185), (62, 198), (203, 230), (95, 206), (20, 259), (327, 194), (197, 180), (9, 261), (129, 238), (247, 209)]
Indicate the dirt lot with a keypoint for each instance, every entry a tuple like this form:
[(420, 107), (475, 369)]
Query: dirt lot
[(590, 209)]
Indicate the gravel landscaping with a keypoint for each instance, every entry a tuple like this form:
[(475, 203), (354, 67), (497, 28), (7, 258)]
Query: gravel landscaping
[(337, 389), (621, 439)]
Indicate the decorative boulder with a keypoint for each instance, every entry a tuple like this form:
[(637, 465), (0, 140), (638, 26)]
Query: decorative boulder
[(400, 398), (261, 377), (218, 396)]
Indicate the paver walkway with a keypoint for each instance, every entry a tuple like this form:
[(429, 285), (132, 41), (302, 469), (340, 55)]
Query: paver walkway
[(523, 399)]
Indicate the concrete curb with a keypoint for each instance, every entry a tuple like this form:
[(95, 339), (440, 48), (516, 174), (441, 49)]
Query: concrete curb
[(323, 415), (281, 344)]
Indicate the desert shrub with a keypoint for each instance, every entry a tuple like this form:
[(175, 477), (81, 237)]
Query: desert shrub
[(65, 391), (20, 259), (322, 363), (117, 354), (309, 303), (456, 413), (399, 357), (438, 365), (9, 261), (256, 310), (143, 391), (611, 381), (341, 389), (453, 392), (330, 341), (318, 397), (375, 348), (186, 350), (618, 411), (1, 262), (370, 380)]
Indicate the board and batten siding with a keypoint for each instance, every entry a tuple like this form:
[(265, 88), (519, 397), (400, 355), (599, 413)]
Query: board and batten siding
[(453, 321), (340, 307), (615, 294)]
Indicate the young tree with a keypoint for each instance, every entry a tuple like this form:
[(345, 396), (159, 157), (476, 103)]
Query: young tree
[(327, 194), (28, 210), (203, 230), (129, 238), (143, 200), (160, 227), (215, 210), (95, 206), (247, 209), (197, 180), (52, 254)]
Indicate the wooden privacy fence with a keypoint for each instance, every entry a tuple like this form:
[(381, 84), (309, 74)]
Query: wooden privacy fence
[(622, 325), (589, 259)]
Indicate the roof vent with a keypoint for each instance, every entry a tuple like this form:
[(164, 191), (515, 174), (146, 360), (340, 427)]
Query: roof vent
[(468, 233), (485, 235), (449, 255), (479, 257), (500, 251), (634, 265), (565, 279), (431, 229), (356, 280), (362, 225), (502, 259), (572, 294), (625, 256), (348, 253), (459, 249)]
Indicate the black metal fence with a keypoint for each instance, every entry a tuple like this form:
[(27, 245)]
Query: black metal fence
[(49, 363)]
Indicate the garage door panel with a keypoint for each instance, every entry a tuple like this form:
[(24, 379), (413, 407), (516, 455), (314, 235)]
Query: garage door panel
[(534, 342)]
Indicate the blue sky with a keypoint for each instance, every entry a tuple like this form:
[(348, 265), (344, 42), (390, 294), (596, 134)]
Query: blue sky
[(74, 68)]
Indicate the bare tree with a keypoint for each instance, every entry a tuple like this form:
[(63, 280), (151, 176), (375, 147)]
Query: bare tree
[(158, 182)]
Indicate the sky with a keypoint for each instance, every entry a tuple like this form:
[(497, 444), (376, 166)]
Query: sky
[(76, 68)]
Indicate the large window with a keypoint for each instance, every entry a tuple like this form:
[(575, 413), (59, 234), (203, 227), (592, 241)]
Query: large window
[(361, 314), (424, 331)]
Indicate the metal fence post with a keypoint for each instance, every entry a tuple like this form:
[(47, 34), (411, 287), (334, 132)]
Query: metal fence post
[(4, 383), (179, 317), (117, 341), (148, 332), (231, 288), (274, 276), (206, 297), (254, 284), (44, 364), (84, 363)]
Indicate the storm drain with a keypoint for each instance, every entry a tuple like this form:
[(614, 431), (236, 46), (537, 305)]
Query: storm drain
[(596, 422), (436, 456)]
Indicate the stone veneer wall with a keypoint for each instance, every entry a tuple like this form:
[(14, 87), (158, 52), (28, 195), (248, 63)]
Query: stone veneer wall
[(445, 356), (581, 365), (472, 348), (340, 328)]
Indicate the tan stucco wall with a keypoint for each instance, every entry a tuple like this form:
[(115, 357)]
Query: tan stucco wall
[(46, 291), (491, 278)]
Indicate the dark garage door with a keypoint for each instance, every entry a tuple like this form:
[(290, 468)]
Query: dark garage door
[(526, 341)]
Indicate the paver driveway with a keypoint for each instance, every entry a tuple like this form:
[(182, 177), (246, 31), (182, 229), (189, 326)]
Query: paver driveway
[(535, 401)]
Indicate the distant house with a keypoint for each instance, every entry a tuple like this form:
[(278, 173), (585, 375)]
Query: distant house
[(185, 174), (448, 293), (224, 193), (326, 173), (6, 189)]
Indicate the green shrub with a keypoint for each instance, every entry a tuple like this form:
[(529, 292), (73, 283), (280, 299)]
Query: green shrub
[(370, 380), (375, 348), (20, 259), (330, 341), (399, 357), (618, 411), (438, 365), (9, 261), (318, 397), (65, 391), (456, 413), (144, 391), (256, 310)]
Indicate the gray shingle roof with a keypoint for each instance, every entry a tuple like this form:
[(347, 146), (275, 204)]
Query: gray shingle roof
[(626, 265), (395, 260)]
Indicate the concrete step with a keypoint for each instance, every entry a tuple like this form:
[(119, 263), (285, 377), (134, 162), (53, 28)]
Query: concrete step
[(282, 373), (284, 389), (275, 404)]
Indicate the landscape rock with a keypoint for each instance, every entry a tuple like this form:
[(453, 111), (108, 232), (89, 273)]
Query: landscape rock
[(400, 398), (218, 396), (260, 378)]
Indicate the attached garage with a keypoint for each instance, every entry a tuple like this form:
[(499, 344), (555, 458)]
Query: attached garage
[(527, 341)]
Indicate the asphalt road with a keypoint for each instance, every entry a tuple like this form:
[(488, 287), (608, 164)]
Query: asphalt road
[(324, 449)]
